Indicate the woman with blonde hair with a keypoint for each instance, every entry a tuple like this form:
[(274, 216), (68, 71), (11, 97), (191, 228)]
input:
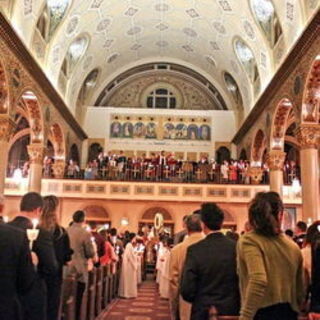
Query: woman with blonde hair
[(50, 222)]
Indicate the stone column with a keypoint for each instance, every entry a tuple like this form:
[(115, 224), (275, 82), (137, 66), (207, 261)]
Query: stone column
[(275, 162), (58, 168), (6, 129), (308, 137), (36, 152)]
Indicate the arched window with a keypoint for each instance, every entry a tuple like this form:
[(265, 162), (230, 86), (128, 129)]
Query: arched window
[(249, 63), (74, 54), (50, 18), (88, 84), (161, 99), (233, 88), (268, 20)]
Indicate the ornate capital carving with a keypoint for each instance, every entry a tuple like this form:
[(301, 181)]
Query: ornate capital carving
[(276, 159), (255, 173), (308, 136), (58, 168), (7, 126), (36, 152)]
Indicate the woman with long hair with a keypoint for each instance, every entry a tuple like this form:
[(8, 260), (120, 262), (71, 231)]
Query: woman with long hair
[(270, 265), (50, 222)]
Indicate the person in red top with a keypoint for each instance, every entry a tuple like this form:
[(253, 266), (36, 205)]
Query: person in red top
[(99, 240), (110, 257)]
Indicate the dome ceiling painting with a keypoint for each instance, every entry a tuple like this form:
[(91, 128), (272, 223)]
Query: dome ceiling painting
[(244, 39)]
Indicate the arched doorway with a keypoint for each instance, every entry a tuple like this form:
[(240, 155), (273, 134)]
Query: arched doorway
[(243, 155), (94, 150), (99, 215), (74, 153), (223, 154), (258, 149), (147, 220)]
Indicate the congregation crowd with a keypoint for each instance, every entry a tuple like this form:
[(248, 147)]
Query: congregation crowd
[(163, 167), (262, 273)]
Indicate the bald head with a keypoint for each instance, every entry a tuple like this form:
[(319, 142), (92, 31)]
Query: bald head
[(193, 223)]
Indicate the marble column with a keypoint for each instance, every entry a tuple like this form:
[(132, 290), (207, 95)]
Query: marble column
[(275, 162), (36, 152), (6, 130), (308, 137)]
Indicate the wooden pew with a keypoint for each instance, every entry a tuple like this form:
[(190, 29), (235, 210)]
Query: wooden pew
[(105, 290), (68, 299), (111, 281), (91, 294), (99, 294)]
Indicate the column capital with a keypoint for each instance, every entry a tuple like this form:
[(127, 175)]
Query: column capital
[(308, 136), (7, 126), (36, 152), (58, 168), (275, 159), (255, 173)]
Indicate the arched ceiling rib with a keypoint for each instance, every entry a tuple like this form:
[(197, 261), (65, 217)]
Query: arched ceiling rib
[(126, 32)]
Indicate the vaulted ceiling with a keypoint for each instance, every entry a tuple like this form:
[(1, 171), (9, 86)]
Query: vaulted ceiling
[(114, 36)]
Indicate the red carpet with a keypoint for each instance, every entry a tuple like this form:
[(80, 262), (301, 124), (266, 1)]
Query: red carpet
[(148, 306)]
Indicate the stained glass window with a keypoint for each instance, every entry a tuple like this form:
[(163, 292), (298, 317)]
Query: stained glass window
[(233, 88), (88, 84), (268, 20), (161, 99)]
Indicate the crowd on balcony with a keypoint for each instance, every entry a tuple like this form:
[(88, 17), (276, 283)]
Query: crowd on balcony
[(162, 167)]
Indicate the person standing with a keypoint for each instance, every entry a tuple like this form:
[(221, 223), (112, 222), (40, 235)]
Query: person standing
[(180, 308), (83, 250), (270, 265), (17, 274), (99, 240), (209, 278), (179, 237), (300, 233), (34, 302), (63, 251), (128, 286)]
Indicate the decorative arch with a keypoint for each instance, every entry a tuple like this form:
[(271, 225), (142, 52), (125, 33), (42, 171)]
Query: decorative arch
[(150, 213), (58, 142), (31, 103), (280, 124), (243, 154), (258, 147), (4, 91), (94, 150), (74, 153), (96, 213), (311, 97)]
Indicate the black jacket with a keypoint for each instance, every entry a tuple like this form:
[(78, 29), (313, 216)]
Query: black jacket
[(210, 278), (17, 273)]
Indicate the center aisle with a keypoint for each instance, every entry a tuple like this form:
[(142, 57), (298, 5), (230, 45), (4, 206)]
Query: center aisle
[(148, 306)]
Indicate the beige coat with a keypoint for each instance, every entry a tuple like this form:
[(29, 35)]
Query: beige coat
[(178, 256), (83, 250)]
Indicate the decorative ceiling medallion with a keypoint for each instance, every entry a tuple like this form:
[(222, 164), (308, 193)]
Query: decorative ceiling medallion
[(161, 26), (263, 59), (131, 12), (245, 92), (211, 60), (27, 9), (134, 30), (103, 24), (312, 4), (234, 66), (136, 46), (87, 62), (214, 45), (190, 32), (72, 25), (112, 58), (108, 43), (187, 48), (289, 10), (297, 85), (96, 4), (56, 54), (192, 13), (162, 43), (249, 29), (225, 5), (219, 27), (161, 7)]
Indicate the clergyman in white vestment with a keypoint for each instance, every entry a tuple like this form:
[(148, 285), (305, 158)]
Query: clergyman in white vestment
[(128, 287)]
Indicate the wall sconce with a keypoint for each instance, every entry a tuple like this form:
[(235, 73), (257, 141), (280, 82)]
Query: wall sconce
[(124, 222)]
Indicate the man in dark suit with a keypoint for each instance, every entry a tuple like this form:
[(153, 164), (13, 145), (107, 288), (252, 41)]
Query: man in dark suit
[(17, 273), (34, 302), (209, 279)]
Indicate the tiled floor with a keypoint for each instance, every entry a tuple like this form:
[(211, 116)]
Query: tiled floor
[(148, 306)]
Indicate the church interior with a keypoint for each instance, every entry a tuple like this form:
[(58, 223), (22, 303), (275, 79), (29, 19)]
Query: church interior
[(131, 109)]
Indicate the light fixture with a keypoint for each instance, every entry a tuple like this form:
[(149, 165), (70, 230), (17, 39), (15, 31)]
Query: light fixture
[(124, 221)]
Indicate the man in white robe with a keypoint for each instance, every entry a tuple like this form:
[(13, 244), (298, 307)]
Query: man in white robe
[(165, 274), (128, 286)]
